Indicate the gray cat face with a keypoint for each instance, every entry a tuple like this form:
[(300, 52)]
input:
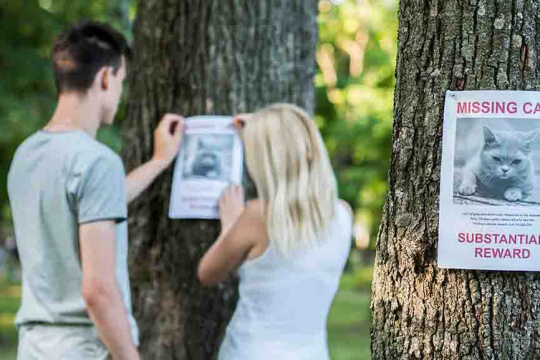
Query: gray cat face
[(506, 154)]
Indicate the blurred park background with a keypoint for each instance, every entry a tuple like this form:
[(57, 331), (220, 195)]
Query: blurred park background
[(354, 91)]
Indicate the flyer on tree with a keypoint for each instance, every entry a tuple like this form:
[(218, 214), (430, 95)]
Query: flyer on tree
[(210, 159), (489, 214)]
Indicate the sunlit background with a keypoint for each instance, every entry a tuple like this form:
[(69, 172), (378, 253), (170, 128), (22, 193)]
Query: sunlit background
[(354, 97)]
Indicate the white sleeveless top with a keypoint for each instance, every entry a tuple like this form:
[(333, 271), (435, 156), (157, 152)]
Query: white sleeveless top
[(284, 302)]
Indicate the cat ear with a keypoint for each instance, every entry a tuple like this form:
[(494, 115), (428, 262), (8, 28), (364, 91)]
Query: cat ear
[(489, 137), (529, 138)]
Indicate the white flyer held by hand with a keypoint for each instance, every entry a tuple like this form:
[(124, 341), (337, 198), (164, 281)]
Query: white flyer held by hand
[(210, 159), (489, 214)]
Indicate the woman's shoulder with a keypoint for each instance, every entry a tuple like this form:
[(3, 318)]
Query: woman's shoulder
[(255, 226), (347, 207)]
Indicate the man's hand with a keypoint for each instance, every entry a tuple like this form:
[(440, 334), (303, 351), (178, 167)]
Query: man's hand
[(167, 139)]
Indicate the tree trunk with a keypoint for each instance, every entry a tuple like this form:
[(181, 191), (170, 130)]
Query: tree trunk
[(200, 57), (420, 311)]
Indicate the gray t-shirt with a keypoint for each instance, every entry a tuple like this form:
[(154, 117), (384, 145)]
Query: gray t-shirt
[(56, 182)]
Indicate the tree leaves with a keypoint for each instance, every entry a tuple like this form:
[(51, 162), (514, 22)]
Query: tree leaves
[(356, 57)]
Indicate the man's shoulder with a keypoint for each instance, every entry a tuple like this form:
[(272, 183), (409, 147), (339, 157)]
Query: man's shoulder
[(91, 154), (94, 150), (28, 143), (76, 149), (73, 142)]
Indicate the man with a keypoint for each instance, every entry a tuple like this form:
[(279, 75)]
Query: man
[(68, 195)]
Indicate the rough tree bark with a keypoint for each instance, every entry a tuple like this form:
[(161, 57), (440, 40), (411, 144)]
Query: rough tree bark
[(200, 57), (420, 311)]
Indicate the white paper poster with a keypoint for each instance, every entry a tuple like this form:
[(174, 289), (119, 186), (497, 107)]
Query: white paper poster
[(489, 215), (210, 158)]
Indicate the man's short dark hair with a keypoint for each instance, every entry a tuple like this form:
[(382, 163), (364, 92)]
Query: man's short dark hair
[(82, 51)]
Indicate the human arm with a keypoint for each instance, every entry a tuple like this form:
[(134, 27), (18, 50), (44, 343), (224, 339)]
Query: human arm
[(100, 290), (98, 195), (166, 147), (241, 228)]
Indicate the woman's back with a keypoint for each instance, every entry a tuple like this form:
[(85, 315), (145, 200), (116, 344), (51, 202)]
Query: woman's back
[(284, 302)]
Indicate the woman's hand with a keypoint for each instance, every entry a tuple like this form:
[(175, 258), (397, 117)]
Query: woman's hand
[(231, 205), (240, 120)]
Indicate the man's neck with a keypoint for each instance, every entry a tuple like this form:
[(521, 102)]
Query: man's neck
[(75, 112)]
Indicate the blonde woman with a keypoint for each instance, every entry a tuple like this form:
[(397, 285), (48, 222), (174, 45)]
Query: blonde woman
[(289, 245)]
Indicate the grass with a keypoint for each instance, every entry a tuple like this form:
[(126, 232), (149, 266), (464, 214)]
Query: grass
[(10, 299), (348, 322)]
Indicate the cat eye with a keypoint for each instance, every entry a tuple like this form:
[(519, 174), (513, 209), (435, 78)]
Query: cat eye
[(515, 162), (498, 159)]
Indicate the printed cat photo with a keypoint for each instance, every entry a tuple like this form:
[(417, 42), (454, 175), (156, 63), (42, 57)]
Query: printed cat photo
[(207, 156), (501, 167), (206, 163)]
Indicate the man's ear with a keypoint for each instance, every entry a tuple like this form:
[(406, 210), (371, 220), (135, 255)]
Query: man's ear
[(103, 78)]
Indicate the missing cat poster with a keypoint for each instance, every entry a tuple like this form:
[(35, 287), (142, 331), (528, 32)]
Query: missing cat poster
[(489, 216), (210, 158)]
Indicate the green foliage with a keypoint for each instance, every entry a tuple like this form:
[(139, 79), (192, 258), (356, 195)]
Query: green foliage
[(354, 89)]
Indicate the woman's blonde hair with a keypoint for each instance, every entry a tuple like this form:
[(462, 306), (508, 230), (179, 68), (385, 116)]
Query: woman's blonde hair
[(289, 164)]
